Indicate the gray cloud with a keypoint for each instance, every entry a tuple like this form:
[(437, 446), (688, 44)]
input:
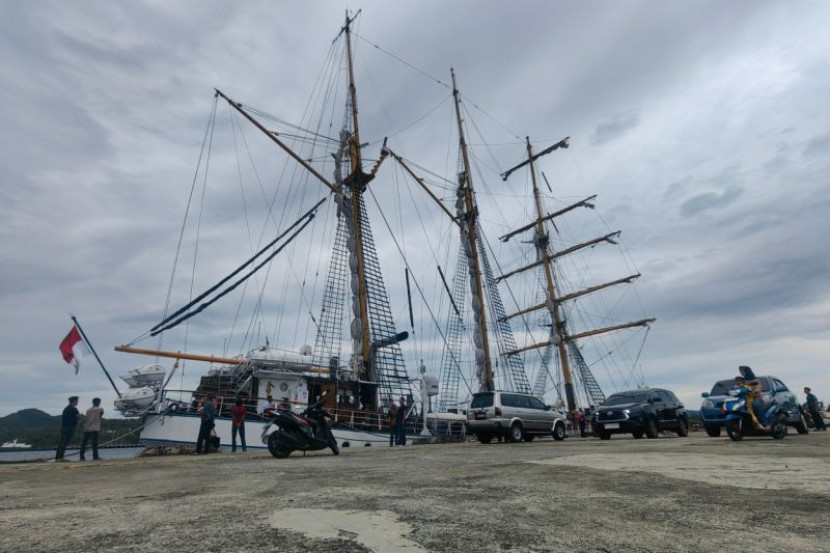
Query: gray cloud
[(817, 146), (619, 125), (708, 201)]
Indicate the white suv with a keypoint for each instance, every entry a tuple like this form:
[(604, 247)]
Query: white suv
[(513, 415)]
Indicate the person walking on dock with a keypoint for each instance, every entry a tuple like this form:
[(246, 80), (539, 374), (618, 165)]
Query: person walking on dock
[(92, 426), (400, 416), (207, 424), (69, 420), (812, 406), (393, 422), (238, 413)]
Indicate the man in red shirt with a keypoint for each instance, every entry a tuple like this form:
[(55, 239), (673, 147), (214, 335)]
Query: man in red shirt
[(238, 413)]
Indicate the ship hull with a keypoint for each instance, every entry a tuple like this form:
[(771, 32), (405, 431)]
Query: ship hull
[(183, 429)]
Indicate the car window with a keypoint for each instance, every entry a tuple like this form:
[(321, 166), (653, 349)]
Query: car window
[(482, 400), (536, 403), (627, 397), (508, 400), (779, 386), (722, 387), (522, 401), (665, 397), (674, 398)]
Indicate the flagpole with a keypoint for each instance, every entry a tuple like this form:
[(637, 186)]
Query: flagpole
[(92, 349)]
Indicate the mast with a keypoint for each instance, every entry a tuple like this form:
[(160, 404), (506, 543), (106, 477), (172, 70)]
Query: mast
[(484, 367), (541, 243), (356, 183), (559, 337)]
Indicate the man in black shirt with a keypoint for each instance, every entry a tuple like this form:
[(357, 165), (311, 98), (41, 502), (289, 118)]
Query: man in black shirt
[(69, 420)]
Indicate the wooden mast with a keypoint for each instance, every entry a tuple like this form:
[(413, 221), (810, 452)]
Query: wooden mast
[(356, 181), (541, 242), (487, 378)]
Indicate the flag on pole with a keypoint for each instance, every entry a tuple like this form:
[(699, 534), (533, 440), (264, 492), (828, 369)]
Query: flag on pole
[(73, 348)]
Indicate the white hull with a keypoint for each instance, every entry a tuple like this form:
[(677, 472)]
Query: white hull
[(182, 429)]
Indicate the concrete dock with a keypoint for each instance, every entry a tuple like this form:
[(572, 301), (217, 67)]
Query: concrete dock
[(668, 494)]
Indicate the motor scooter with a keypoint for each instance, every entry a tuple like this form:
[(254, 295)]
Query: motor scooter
[(309, 431), (739, 421)]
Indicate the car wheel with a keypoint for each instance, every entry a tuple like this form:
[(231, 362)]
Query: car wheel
[(713, 431), (651, 428), (517, 433), (779, 427), (682, 427), (484, 438), (638, 434), (734, 430), (604, 435), (801, 427), (558, 432)]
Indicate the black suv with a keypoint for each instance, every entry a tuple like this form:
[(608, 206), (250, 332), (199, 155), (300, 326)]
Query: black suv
[(641, 412)]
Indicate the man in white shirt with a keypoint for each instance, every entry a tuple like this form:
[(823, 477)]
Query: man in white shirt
[(92, 426), (264, 404)]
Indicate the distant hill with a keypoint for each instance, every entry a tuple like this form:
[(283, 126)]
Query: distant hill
[(33, 426), (26, 420)]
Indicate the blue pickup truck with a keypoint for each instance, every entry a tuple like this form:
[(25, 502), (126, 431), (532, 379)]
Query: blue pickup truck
[(772, 389)]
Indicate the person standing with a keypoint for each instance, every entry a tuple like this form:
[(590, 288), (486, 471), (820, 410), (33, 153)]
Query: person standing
[(580, 422), (812, 406), (400, 416), (238, 413), (393, 422), (265, 404), (69, 420), (207, 424), (92, 426)]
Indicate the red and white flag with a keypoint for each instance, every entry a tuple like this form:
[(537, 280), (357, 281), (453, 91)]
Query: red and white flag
[(73, 348)]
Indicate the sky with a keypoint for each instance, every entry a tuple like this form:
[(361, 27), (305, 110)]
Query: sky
[(702, 126)]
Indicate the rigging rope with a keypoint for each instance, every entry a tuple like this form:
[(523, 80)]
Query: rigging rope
[(308, 217), (210, 124), (415, 280)]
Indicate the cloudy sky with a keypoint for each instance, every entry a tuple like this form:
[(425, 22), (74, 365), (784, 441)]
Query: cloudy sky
[(702, 126)]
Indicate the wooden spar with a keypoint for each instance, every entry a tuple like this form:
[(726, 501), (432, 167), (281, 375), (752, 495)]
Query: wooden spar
[(575, 295), (195, 357), (449, 293), (574, 337), (180, 355), (607, 238), (584, 203), (643, 322), (238, 107), (357, 180), (420, 181), (561, 144), (541, 242), (487, 377)]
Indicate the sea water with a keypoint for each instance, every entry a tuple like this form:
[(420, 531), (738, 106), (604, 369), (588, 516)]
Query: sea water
[(73, 454)]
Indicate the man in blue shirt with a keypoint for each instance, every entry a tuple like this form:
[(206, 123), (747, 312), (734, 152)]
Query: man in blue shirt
[(812, 406), (208, 422), (69, 420)]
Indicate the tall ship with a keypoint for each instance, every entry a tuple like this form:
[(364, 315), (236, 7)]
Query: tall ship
[(308, 310)]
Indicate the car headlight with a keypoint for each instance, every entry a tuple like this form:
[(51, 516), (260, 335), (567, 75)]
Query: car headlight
[(707, 404)]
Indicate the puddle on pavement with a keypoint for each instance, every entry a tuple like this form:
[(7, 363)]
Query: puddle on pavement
[(377, 530)]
